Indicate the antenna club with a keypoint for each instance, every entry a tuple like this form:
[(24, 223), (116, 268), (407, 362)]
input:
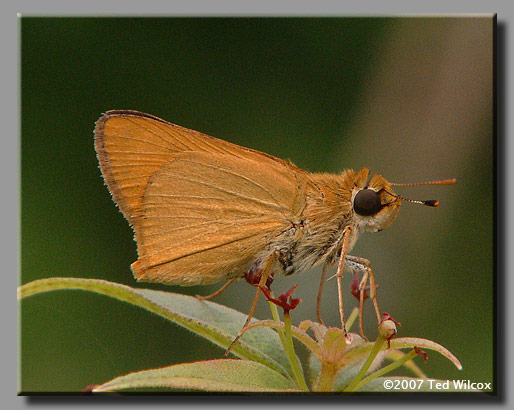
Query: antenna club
[(431, 202), (449, 181)]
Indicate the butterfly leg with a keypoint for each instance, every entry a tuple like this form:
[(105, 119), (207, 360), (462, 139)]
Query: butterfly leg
[(358, 289), (339, 276), (218, 292), (362, 293), (364, 265), (318, 303), (266, 271)]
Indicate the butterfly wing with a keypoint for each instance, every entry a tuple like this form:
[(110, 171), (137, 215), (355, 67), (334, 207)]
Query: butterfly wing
[(206, 217), (202, 208), (131, 146)]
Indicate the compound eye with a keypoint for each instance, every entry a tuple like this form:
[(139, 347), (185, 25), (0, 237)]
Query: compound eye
[(367, 202)]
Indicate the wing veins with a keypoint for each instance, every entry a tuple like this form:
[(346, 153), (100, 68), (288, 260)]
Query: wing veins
[(181, 228), (191, 141), (153, 265), (140, 140), (237, 195), (262, 188), (240, 222), (171, 141)]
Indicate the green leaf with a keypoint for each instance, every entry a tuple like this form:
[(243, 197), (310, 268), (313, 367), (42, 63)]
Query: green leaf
[(411, 342), (394, 355), (313, 369), (216, 323), (343, 377), (226, 375), (297, 333)]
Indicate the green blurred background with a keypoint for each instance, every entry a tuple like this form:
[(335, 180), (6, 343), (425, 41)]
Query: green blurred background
[(409, 98)]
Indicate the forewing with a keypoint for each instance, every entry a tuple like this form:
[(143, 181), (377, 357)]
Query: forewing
[(132, 146), (206, 216)]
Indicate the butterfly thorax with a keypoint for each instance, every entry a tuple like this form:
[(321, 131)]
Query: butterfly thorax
[(317, 235)]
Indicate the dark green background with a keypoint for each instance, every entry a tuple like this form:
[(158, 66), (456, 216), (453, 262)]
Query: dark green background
[(291, 87)]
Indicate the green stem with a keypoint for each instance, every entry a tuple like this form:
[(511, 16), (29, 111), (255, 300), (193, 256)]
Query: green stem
[(387, 369), (291, 355), (286, 338), (326, 378), (351, 318), (365, 367), (276, 317)]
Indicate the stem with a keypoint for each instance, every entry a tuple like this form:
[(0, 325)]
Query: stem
[(293, 359), (286, 337), (276, 317), (326, 378), (351, 318), (387, 369), (365, 367)]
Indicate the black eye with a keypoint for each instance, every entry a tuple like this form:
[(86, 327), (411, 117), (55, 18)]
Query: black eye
[(367, 202)]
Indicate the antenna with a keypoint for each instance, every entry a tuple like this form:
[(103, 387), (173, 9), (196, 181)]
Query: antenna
[(429, 202), (442, 182)]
